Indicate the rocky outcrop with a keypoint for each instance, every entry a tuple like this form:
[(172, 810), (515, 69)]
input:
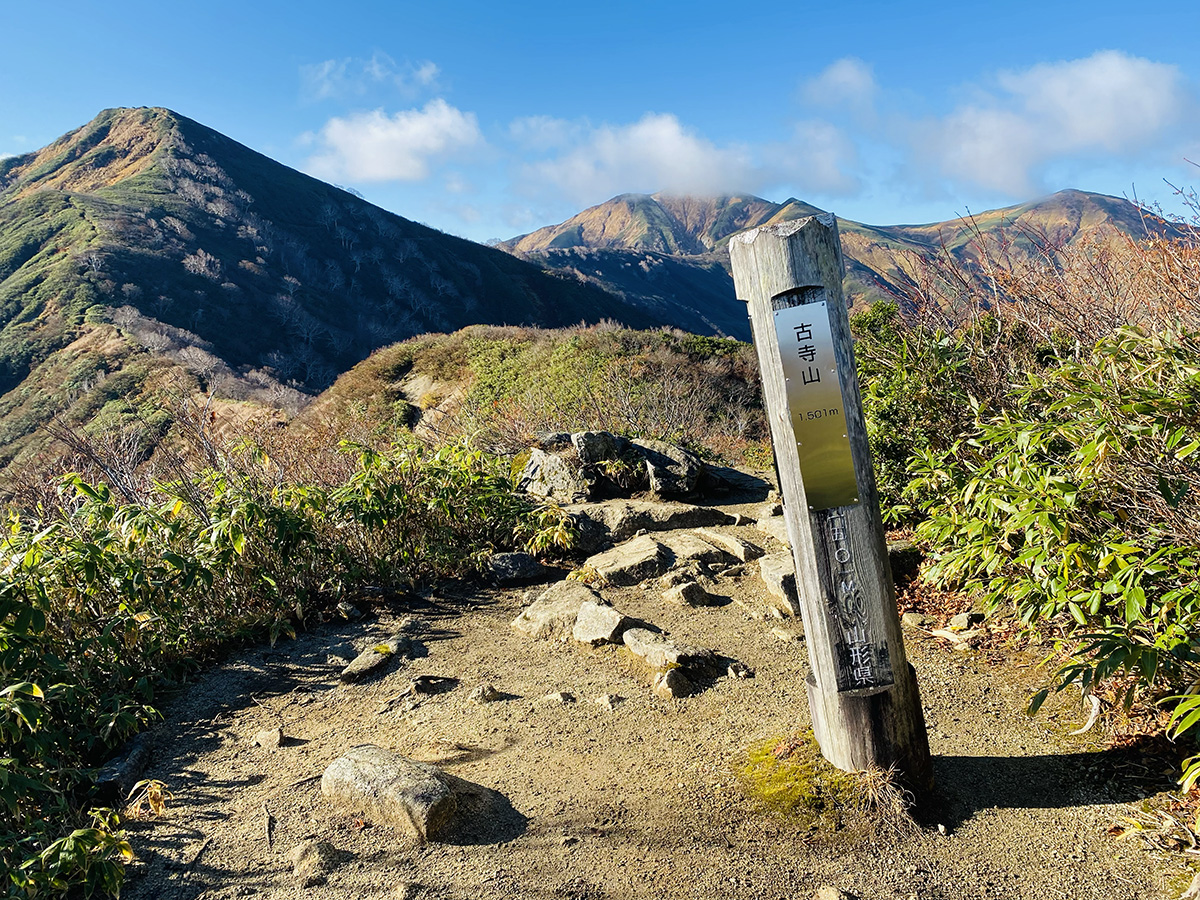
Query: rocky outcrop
[(672, 471), (632, 562), (549, 475)]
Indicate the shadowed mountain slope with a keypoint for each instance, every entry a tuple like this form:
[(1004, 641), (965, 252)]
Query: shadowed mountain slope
[(146, 241)]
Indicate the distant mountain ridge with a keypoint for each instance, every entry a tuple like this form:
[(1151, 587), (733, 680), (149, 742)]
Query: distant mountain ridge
[(610, 242)]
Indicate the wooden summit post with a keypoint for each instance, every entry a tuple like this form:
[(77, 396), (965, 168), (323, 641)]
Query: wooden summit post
[(862, 692)]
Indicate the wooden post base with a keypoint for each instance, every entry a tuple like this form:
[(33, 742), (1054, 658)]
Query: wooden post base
[(880, 726)]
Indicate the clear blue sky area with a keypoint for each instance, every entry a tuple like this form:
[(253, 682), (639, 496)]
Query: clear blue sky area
[(491, 119)]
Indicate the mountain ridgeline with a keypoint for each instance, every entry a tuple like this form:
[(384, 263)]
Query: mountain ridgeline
[(660, 249), (145, 255), (145, 247)]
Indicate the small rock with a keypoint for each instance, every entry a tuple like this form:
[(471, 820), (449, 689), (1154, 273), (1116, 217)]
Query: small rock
[(914, 620), (507, 569), (691, 548), (485, 693), (599, 623), (558, 698), (405, 891), (608, 701), (788, 636), (660, 653), (567, 841), (375, 657), (828, 892), (269, 738), (120, 774), (965, 620), (739, 670), (673, 683), (688, 593), (391, 789), (349, 611), (313, 860)]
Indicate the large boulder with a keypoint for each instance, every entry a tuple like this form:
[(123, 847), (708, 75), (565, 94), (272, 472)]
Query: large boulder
[(553, 614), (622, 519), (673, 471), (549, 475), (390, 789), (632, 562)]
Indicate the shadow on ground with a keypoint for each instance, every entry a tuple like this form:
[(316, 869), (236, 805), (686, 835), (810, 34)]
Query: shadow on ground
[(967, 785)]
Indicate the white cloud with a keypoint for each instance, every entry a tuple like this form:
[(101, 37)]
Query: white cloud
[(373, 146), (354, 76), (657, 153), (543, 133), (1108, 103), (846, 82)]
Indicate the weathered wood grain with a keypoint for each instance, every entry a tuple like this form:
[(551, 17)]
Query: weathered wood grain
[(862, 691)]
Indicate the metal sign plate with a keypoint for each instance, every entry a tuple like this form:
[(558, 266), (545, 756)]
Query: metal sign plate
[(814, 394)]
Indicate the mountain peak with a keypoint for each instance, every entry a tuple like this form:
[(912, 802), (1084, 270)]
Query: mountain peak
[(116, 145)]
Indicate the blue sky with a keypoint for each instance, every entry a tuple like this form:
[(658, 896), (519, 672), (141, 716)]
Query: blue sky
[(490, 119)]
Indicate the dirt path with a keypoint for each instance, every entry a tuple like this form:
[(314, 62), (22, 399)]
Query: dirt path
[(640, 801)]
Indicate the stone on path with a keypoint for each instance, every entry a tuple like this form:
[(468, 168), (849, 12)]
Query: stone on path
[(965, 620), (608, 701), (376, 657), (485, 693), (778, 572), (828, 892), (742, 551), (553, 614), (688, 593), (391, 790), (673, 471), (313, 860), (673, 683), (514, 568), (660, 653), (549, 475), (631, 562), (599, 623), (914, 620), (557, 698), (269, 738)]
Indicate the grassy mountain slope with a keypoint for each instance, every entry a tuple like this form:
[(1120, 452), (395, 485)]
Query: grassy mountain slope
[(178, 246)]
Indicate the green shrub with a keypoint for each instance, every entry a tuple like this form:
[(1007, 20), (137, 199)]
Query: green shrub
[(100, 600)]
